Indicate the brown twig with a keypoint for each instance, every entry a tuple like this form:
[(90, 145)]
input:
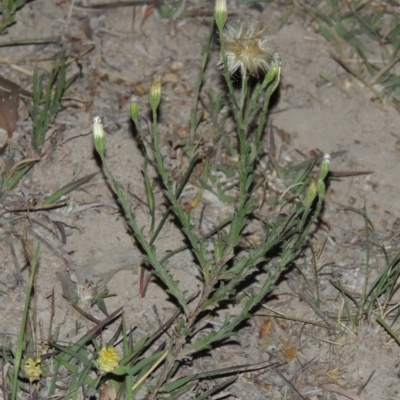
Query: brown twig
[(288, 382), (359, 391)]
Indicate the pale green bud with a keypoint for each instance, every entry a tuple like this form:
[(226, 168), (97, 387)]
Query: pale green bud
[(99, 137), (220, 13), (155, 93), (324, 168), (321, 188), (311, 193), (134, 109)]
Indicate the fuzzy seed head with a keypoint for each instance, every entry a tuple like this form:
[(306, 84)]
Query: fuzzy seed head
[(247, 48)]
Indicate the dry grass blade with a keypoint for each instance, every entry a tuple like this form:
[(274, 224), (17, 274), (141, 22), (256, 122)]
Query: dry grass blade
[(290, 384), (28, 42), (356, 74), (125, 4), (343, 392)]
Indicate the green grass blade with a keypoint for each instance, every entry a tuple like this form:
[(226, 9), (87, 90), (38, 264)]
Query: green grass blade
[(67, 189)]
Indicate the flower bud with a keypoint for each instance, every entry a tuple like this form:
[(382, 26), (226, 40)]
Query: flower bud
[(324, 168), (311, 194), (321, 188), (155, 93), (220, 13), (99, 137), (134, 109)]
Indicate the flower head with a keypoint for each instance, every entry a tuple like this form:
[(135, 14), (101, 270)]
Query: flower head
[(246, 48), (108, 359), (32, 368)]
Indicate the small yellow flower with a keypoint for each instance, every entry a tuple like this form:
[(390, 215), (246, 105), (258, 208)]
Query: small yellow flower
[(108, 359), (32, 368), (247, 48)]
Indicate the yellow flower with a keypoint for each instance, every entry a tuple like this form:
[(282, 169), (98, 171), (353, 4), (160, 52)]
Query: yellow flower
[(246, 48), (108, 359), (32, 368)]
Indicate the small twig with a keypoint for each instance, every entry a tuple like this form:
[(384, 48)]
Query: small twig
[(288, 382), (359, 391), (340, 174), (29, 42), (85, 314), (16, 263), (343, 392)]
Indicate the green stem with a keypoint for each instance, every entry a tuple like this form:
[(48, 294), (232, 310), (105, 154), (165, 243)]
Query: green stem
[(34, 260), (193, 113)]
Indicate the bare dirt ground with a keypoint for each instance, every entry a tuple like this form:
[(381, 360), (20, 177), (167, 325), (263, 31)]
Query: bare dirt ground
[(309, 116)]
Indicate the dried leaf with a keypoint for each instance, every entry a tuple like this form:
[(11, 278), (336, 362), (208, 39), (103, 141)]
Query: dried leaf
[(289, 353), (9, 97), (86, 28), (107, 392), (265, 328)]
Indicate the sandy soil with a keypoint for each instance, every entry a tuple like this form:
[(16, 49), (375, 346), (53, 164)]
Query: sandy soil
[(309, 116)]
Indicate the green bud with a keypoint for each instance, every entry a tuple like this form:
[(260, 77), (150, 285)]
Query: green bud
[(134, 109), (311, 193), (324, 168), (274, 72), (155, 93), (99, 137), (321, 188), (220, 14)]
